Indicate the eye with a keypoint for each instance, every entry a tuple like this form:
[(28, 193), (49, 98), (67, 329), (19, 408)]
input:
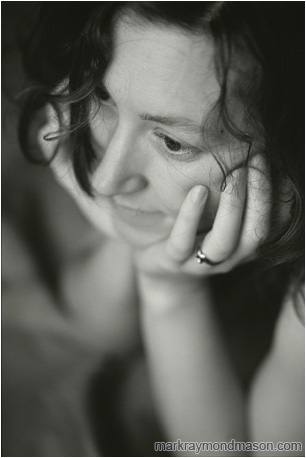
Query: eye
[(176, 149), (106, 107), (102, 94), (171, 144)]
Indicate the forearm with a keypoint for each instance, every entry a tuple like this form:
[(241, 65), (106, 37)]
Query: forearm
[(196, 391)]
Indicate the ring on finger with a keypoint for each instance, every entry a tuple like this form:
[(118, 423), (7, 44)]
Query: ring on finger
[(202, 258)]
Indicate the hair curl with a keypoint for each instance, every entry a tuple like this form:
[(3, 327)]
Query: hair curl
[(269, 33)]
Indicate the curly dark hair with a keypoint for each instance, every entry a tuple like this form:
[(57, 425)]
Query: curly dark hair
[(72, 43)]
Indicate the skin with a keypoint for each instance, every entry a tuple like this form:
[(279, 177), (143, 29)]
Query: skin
[(146, 166)]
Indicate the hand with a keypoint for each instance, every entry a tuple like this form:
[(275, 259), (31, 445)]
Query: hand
[(241, 225)]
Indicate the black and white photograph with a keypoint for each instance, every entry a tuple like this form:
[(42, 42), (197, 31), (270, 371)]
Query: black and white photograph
[(153, 214)]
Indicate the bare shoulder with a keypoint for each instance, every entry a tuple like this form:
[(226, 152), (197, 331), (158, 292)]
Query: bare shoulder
[(277, 396)]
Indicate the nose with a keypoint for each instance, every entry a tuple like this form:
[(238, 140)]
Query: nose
[(121, 170)]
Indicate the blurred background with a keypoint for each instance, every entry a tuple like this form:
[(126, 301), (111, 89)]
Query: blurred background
[(38, 356), (48, 363)]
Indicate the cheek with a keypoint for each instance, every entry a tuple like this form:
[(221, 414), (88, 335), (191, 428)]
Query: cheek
[(174, 185)]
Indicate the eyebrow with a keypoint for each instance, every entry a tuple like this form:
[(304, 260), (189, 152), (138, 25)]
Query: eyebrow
[(173, 121)]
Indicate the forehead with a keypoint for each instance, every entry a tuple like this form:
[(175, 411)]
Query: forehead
[(163, 68)]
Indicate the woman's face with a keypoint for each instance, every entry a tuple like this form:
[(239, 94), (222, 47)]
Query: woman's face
[(148, 137)]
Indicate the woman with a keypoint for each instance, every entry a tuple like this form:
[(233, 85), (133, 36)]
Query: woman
[(175, 129)]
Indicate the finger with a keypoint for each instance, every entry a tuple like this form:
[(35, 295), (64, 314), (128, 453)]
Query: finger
[(223, 238), (258, 206), (182, 238)]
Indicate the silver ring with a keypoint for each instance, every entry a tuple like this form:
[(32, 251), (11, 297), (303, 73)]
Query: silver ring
[(201, 257)]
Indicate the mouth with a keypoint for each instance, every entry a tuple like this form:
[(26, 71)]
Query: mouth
[(135, 209), (136, 216)]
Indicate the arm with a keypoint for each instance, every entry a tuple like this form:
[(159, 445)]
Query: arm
[(196, 390), (277, 401), (197, 394)]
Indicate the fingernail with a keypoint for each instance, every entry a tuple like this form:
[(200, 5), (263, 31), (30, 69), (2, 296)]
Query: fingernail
[(198, 195)]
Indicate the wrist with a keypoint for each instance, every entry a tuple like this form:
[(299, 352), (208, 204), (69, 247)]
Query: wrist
[(162, 294)]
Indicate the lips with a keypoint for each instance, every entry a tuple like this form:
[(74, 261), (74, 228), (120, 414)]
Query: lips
[(134, 209), (138, 217)]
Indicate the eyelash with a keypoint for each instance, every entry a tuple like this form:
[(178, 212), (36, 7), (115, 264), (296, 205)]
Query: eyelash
[(188, 151)]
